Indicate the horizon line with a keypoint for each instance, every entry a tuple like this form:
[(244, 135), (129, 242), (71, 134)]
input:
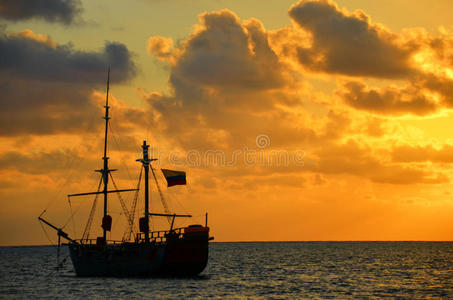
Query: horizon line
[(305, 241)]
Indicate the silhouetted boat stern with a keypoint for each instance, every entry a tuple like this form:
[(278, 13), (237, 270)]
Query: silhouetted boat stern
[(187, 256)]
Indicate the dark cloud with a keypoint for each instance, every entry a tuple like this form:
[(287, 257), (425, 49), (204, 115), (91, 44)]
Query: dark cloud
[(24, 56), (388, 101), (348, 44), (34, 107), (46, 88), (63, 11)]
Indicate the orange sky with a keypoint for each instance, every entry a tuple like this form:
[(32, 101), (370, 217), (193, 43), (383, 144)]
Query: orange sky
[(312, 120)]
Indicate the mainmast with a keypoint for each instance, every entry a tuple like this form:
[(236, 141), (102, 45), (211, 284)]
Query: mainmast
[(105, 171)]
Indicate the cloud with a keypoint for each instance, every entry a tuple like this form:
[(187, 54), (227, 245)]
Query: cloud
[(348, 43), (228, 86), (407, 154), (30, 56), (230, 81), (435, 53), (160, 47), (63, 11), (329, 40), (46, 87), (223, 53), (128, 120), (223, 75), (387, 101), (353, 159), (40, 38), (441, 85), (423, 95), (38, 163)]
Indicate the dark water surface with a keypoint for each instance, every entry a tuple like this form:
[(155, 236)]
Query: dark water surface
[(252, 270)]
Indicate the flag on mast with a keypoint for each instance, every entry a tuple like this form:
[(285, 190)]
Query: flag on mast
[(174, 177)]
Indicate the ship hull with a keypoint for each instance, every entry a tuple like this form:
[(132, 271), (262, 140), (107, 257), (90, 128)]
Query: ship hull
[(171, 258)]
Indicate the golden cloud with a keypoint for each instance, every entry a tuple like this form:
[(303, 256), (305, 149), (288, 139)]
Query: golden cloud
[(41, 38), (229, 85), (161, 47)]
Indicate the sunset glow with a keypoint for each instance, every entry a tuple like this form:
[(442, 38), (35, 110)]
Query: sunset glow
[(298, 121)]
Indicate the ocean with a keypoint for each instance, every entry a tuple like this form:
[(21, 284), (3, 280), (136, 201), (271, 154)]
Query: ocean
[(276, 270)]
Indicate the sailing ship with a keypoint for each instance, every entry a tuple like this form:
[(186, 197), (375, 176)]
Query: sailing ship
[(174, 252)]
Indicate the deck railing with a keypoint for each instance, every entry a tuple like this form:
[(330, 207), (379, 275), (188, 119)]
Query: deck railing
[(159, 236), (154, 236), (94, 241)]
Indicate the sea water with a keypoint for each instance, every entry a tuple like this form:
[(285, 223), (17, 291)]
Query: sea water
[(251, 270)]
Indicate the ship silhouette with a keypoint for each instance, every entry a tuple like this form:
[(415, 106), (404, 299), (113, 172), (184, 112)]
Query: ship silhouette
[(173, 252)]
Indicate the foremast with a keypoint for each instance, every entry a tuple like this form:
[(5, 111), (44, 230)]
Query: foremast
[(144, 222), (145, 160)]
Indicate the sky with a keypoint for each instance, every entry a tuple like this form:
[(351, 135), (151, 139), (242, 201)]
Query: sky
[(312, 120)]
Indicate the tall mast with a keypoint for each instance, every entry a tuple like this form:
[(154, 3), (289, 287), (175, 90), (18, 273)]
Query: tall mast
[(105, 171)]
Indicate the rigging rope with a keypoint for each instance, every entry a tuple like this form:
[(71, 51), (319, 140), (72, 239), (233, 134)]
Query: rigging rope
[(72, 217), (174, 200), (123, 206), (162, 199), (113, 134), (130, 230), (86, 231), (71, 161), (45, 232)]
